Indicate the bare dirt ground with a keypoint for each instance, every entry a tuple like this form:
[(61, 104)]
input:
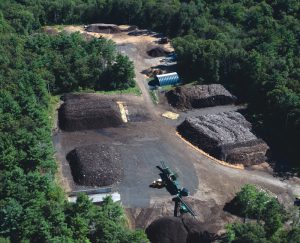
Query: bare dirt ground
[(150, 138)]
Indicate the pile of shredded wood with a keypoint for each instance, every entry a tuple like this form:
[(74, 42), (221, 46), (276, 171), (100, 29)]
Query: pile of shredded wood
[(158, 52), (226, 136), (95, 165), (199, 96), (103, 28), (177, 230), (88, 111)]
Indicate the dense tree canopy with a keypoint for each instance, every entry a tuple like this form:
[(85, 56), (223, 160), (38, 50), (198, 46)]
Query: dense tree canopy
[(255, 204), (70, 63), (33, 67)]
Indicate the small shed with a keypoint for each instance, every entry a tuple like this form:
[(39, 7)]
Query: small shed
[(168, 79)]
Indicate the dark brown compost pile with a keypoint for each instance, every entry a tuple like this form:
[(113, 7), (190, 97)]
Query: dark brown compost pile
[(226, 136), (95, 165), (130, 28), (158, 52), (177, 230), (199, 96), (103, 28), (84, 111)]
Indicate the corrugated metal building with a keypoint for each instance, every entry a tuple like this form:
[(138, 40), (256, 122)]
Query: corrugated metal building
[(168, 79)]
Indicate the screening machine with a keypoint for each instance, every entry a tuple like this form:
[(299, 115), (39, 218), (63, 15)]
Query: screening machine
[(168, 179)]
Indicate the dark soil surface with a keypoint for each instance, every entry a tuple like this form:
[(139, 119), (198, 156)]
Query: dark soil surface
[(158, 52), (103, 28), (225, 135), (95, 165), (88, 111), (178, 230), (167, 229), (199, 96)]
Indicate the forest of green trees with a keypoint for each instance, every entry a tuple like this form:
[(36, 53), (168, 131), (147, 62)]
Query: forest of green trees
[(34, 66), (250, 46), (265, 219)]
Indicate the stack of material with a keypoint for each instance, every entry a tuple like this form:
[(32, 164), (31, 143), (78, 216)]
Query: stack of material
[(226, 136), (95, 165), (177, 230), (129, 28), (88, 111), (198, 96), (103, 28), (152, 72), (158, 52)]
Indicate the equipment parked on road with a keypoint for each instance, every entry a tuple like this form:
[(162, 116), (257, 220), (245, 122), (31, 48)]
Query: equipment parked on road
[(168, 179)]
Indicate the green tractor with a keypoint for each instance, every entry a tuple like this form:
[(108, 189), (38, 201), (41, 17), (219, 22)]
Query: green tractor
[(168, 180)]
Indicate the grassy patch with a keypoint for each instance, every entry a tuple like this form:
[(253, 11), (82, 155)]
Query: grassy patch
[(167, 87), (154, 96), (58, 27), (132, 90), (53, 106), (193, 83)]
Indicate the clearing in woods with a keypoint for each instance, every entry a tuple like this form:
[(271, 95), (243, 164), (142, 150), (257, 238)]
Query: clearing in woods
[(147, 138)]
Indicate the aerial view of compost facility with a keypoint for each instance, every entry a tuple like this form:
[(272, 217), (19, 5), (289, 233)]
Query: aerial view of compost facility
[(161, 121), (114, 142), (149, 121)]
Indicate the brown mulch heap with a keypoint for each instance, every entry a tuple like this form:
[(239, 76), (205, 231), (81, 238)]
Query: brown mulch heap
[(95, 165), (103, 28), (130, 28), (199, 96), (152, 72), (226, 136), (158, 52), (84, 111), (177, 230)]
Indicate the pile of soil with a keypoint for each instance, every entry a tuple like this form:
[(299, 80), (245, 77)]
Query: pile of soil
[(138, 32), (163, 40), (103, 28), (158, 52), (177, 230), (130, 28), (226, 136), (95, 165), (199, 96), (88, 111), (152, 72)]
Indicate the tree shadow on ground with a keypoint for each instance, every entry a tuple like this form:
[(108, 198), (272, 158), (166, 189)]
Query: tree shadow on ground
[(283, 165), (233, 208)]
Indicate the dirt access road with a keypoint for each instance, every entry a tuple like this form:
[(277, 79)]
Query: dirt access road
[(147, 141)]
